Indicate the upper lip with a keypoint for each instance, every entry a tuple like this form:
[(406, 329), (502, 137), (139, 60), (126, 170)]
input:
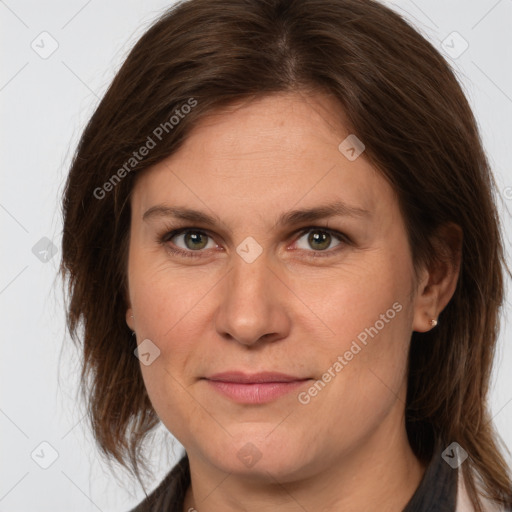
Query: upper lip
[(248, 378)]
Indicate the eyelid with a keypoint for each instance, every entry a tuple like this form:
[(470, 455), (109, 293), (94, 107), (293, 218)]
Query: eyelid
[(341, 237), (169, 232)]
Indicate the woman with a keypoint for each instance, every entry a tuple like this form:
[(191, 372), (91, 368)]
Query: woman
[(273, 238)]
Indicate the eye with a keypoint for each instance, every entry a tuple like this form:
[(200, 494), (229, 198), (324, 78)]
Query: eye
[(320, 239), (191, 240)]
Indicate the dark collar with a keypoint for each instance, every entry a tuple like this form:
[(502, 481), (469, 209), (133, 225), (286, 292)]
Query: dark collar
[(438, 487)]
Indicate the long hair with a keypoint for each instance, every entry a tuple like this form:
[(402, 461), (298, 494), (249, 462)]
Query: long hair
[(400, 97)]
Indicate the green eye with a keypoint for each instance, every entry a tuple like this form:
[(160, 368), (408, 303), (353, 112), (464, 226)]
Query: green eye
[(319, 239), (195, 240), (190, 242)]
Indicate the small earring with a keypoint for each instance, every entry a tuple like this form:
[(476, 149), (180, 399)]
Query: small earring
[(433, 322)]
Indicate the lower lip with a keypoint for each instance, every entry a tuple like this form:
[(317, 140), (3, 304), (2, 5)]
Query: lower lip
[(257, 393)]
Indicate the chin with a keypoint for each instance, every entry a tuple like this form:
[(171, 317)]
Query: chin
[(261, 457)]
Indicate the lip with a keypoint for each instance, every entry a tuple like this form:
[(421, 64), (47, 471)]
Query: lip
[(255, 388), (254, 378)]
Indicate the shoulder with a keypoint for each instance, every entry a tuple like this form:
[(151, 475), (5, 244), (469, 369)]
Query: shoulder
[(170, 493)]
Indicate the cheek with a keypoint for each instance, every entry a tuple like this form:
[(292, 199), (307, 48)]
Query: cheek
[(369, 314), (176, 407), (166, 299), (166, 311), (351, 299), (362, 368), (171, 319)]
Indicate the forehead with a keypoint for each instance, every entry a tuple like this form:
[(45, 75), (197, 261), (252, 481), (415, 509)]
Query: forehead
[(262, 156)]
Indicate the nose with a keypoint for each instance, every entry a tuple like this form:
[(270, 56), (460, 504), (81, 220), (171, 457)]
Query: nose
[(252, 305)]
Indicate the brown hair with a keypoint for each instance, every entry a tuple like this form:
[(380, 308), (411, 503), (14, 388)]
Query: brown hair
[(401, 99)]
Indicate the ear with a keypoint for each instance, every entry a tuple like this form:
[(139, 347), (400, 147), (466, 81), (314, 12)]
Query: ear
[(438, 283), (129, 319)]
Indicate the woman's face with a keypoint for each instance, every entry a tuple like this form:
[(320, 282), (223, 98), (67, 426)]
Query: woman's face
[(328, 300)]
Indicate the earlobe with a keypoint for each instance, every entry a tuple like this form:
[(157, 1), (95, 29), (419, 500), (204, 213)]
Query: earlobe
[(424, 320)]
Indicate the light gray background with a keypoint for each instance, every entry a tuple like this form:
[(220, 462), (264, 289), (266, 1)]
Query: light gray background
[(45, 103)]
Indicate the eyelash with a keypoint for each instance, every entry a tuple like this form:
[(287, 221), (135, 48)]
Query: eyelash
[(168, 234)]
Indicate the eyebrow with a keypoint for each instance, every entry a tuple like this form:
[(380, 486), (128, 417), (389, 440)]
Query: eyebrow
[(336, 209)]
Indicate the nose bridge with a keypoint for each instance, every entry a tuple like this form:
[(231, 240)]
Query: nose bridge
[(250, 272), (249, 308), (249, 284)]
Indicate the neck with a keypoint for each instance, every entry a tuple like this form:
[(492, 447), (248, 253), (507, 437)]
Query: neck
[(382, 473)]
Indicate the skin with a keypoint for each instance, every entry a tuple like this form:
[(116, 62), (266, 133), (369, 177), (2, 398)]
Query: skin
[(286, 311)]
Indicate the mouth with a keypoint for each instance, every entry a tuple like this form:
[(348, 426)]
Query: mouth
[(256, 388)]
